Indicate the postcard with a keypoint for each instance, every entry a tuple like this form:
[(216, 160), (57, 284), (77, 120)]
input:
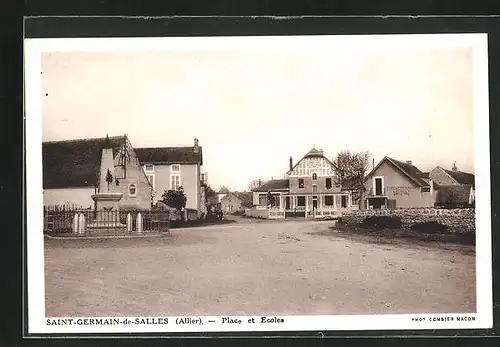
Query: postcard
[(271, 183)]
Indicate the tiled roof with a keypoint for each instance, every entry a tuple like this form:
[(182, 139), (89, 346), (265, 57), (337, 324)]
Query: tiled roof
[(453, 194), (74, 163), (411, 171), (314, 153), (462, 177), (272, 185), (170, 155), (224, 190)]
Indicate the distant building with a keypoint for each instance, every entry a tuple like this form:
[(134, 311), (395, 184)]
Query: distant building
[(233, 202), (454, 187), (309, 191), (396, 184)]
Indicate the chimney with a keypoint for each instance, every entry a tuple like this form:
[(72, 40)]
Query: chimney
[(260, 182), (291, 163), (454, 168), (373, 163), (196, 147), (408, 162)]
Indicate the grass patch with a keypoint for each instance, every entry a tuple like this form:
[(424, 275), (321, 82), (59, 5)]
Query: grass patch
[(392, 236)]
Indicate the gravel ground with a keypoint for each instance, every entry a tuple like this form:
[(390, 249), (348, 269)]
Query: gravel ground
[(260, 268)]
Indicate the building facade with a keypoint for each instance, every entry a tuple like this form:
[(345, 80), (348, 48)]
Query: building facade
[(454, 187), (308, 191), (168, 168), (395, 184)]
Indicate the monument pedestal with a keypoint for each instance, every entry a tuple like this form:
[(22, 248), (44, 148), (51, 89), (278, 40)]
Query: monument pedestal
[(108, 211)]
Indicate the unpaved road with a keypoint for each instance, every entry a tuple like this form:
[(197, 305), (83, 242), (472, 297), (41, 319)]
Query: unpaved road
[(281, 268)]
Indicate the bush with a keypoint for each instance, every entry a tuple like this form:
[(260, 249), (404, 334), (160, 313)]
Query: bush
[(432, 227), (382, 222)]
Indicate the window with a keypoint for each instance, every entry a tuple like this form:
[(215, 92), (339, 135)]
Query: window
[(344, 201), (175, 182), (314, 176), (263, 199), (132, 190), (175, 168), (149, 168), (277, 200), (328, 183), (426, 189), (301, 183), (315, 188), (151, 179), (378, 185), (301, 201), (287, 202), (328, 200)]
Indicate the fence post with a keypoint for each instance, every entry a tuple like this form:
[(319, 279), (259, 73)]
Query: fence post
[(129, 222), (75, 223), (139, 223), (81, 222)]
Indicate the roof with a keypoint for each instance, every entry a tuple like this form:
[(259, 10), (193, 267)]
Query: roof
[(461, 177), (74, 163), (453, 194), (224, 190), (313, 153), (409, 170), (272, 185), (170, 155)]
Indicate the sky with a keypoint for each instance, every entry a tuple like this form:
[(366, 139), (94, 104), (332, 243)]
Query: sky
[(252, 109)]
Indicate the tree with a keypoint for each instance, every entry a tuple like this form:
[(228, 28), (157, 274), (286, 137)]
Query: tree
[(209, 193), (271, 199), (350, 170), (175, 198), (255, 184)]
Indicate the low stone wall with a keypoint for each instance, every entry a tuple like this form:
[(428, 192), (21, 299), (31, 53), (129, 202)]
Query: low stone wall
[(461, 220)]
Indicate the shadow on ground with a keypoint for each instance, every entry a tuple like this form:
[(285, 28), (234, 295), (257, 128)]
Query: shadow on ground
[(399, 238)]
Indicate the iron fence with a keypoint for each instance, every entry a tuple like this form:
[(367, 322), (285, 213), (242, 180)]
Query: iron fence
[(102, 222)]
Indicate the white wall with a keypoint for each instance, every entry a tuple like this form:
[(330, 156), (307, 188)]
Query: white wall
[(78, 196)]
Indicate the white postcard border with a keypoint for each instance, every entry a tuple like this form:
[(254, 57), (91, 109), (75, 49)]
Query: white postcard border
[(37, 322)]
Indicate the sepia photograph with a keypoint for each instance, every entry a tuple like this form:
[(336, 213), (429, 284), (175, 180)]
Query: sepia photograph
[(258, 183)]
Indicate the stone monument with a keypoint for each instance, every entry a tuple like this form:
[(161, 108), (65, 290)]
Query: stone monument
[(107, 199)]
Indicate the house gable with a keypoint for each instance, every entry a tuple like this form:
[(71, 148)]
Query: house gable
[(313, 162), (410, 171), (448, 177), (391, 177)]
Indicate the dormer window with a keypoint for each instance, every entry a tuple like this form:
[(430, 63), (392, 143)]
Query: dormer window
[(314, 177)]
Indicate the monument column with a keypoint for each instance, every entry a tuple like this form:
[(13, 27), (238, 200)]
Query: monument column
[(107, 199)]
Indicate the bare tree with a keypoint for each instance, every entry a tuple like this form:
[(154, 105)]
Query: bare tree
[(350, 170), (255, 184)]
